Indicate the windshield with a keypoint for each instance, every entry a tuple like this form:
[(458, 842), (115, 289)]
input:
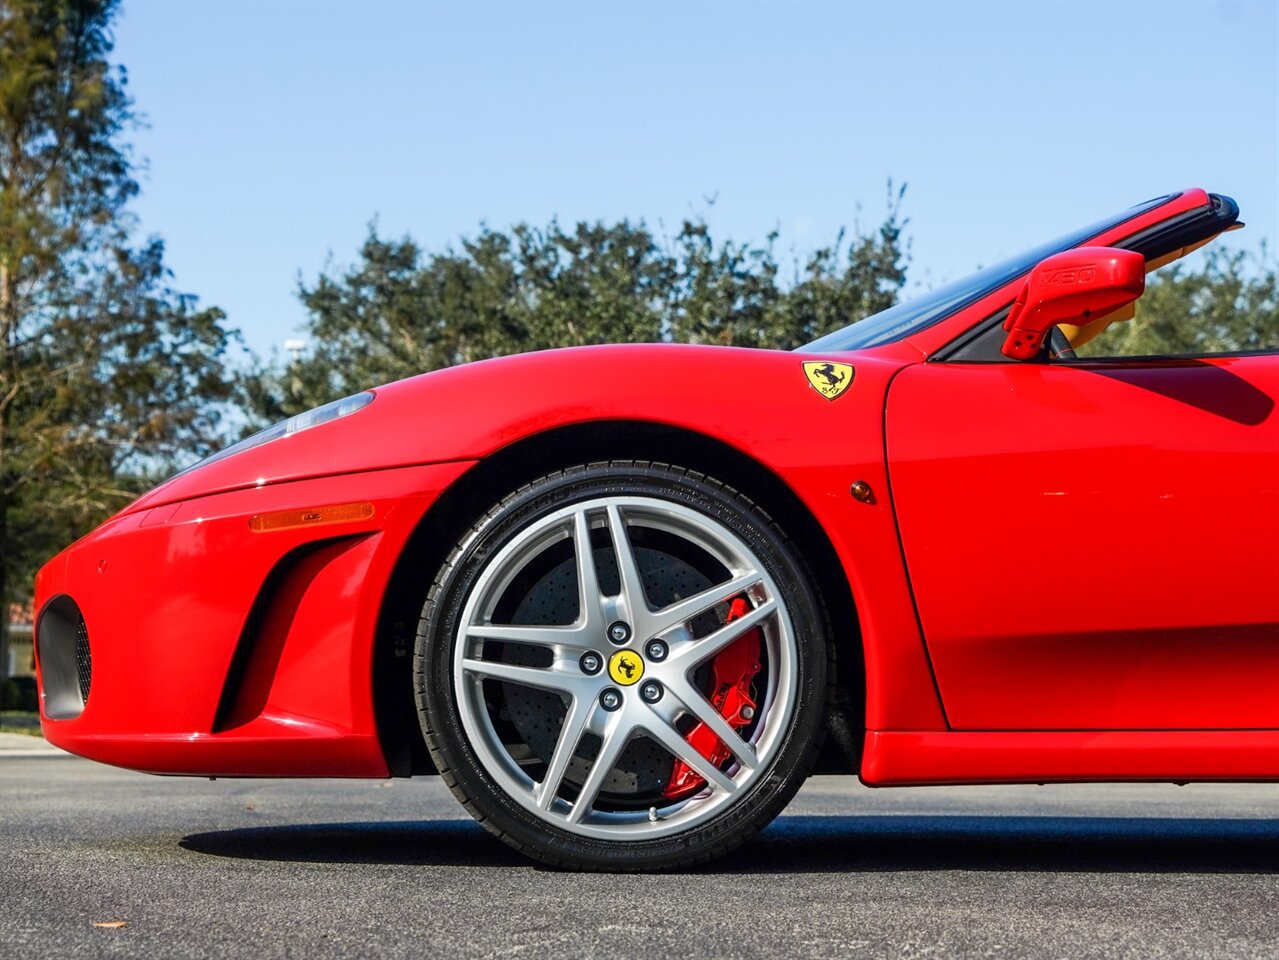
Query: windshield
[(914, 315)]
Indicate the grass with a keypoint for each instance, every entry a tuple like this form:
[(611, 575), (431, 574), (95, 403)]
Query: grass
[(20, 721)]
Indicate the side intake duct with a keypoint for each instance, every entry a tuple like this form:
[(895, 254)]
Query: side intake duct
[(65, 658)]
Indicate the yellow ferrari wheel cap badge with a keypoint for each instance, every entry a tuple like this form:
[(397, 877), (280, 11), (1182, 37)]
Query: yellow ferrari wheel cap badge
[(828, 378), (625, 667)]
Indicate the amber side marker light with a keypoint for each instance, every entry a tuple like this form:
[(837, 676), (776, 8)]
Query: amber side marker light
[(311, 517)]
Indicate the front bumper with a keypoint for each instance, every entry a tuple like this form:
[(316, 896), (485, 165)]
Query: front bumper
[(220, 651)]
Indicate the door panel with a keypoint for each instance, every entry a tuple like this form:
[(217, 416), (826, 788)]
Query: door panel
[(1094, 545)]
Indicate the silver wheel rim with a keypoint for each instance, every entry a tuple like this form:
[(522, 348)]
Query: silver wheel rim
[(580, 692)]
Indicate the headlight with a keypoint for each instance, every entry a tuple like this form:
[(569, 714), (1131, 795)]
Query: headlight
[(286, 428)]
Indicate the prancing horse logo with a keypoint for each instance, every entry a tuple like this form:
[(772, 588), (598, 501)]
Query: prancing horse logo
[(828, 378), (625, 667)]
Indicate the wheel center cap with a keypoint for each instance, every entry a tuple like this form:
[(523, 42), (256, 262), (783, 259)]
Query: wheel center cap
[(625, 667)]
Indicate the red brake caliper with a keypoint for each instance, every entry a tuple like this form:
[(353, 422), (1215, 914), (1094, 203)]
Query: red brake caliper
[(734, 670)]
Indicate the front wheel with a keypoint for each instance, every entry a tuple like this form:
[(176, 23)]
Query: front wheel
[(621, 666)]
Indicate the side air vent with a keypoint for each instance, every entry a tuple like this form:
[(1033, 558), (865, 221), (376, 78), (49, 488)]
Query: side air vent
[(257, 654), (66, 665)]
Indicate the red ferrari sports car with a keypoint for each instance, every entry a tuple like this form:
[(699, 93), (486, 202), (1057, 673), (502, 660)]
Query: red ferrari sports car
[(624, 599)]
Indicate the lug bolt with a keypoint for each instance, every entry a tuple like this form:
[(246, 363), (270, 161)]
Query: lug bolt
[(651, 691), (656, 650), (611, 699), (619, 632), (591, 662)]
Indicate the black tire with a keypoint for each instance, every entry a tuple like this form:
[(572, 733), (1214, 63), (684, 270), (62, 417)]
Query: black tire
[(794, 743)]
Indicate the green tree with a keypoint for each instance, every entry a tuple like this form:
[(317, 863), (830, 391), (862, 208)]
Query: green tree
[(856, 277), (724, 294), (106, 374), (1229, 302), (399, 311)]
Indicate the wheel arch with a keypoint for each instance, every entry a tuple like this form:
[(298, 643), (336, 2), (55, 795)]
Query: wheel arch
[(531, 457)]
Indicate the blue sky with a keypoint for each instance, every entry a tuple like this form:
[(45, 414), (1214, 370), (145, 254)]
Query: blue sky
[(277, 131)]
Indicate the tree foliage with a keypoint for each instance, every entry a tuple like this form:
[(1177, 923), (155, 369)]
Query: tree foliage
[(399, 311), (1230, 302), (106, 373)]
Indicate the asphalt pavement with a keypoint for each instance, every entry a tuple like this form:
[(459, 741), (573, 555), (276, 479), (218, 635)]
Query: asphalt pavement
[(325, 868)]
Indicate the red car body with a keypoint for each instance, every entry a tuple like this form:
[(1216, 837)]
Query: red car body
[(1056, 571)]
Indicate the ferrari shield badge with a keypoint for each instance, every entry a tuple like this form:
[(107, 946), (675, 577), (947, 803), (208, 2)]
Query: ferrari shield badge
[(827, 378)]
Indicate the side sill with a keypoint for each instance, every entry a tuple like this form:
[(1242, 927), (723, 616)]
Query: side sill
[(927, 757)]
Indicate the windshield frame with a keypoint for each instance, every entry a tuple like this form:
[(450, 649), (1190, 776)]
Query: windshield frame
[(908, 318)]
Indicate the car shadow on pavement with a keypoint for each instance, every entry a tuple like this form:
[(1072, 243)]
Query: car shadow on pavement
[(1011, 844), (420, 842), (807, 844)]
